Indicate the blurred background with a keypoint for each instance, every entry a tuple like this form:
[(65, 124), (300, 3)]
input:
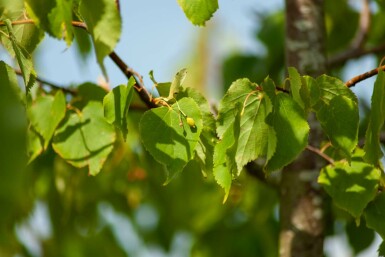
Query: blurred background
[(54, 209)]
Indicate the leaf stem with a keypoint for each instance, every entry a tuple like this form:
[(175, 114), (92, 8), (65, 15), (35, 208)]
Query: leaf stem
[(320, 153)]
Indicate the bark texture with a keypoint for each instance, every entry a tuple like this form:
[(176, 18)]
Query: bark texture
[(301, 214)]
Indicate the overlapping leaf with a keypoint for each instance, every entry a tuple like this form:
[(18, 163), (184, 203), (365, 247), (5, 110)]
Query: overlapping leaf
[(167, 136), (339, 119), (23, 58), (225, 166), (116, 104), (198, 11), (375, 213), (102, 16), (352, 186), (85, 138), (254, 131), (337, 112), (205, 148), (377, 118), (60, 18), (291, 129), (46, 113)]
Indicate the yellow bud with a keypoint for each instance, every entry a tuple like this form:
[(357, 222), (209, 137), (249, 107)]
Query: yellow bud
[(190, 122)]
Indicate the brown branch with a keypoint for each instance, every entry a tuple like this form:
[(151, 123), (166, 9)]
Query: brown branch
[(140, 88), (356, 45), (51, 84), (318, 152), (353, 81)]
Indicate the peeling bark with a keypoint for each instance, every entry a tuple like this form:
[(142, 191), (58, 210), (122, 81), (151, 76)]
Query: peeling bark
[(301, 213)]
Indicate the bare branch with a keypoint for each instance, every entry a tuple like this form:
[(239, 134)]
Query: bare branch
[(322, 154), (352, 82), (51, 84)]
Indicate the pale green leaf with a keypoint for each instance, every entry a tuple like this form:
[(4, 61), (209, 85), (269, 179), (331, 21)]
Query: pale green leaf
[(46, 113), (340, 120), (352, 186), (375, 213), (207, 139), (116, 104), (167, 136), (23, 58), (104, 24), (225, 166), (85, 138), (330, 87), (295, 85), (60, 18), (254, 132), (35, 145), (310, 92), (39, 11), (291, 128), (198, 11), (177, 83), (376, 121)]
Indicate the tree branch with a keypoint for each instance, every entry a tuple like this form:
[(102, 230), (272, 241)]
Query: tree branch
[(353, 81), (318, 152), (52, 85), (140, 88), (356, 45)]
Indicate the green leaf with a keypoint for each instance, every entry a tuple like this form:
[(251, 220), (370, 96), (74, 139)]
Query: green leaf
[(39, 11), (254, 132), (375, 213), (46, 113), (381, 249), (28, 36), (291, 129), (207, 139), (177, 83), (85, 138), (330, 87), (102, 16), (116, 104), (295, 85), (167, 136), (340, 120), (310, 92), (198, 11), (224, 155), (88, 92), (60, 18), (376, 121), (23, 58), (351, 187), (35, 145)]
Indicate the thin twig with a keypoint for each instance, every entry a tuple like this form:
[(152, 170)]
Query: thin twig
[(52, 85), (353, 81), (140, 88), (318, 152), (359, 39)]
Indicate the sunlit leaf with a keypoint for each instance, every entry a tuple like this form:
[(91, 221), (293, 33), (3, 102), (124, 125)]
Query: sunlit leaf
[(85, 138), (376, 121), (116, 104), (177, 82), (167, 136), (23, 58), (198, 11), (102, 16), (351, 187), (340, 120), (46, 113)]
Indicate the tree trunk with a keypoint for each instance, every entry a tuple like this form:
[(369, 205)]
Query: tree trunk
[(301, 213)]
